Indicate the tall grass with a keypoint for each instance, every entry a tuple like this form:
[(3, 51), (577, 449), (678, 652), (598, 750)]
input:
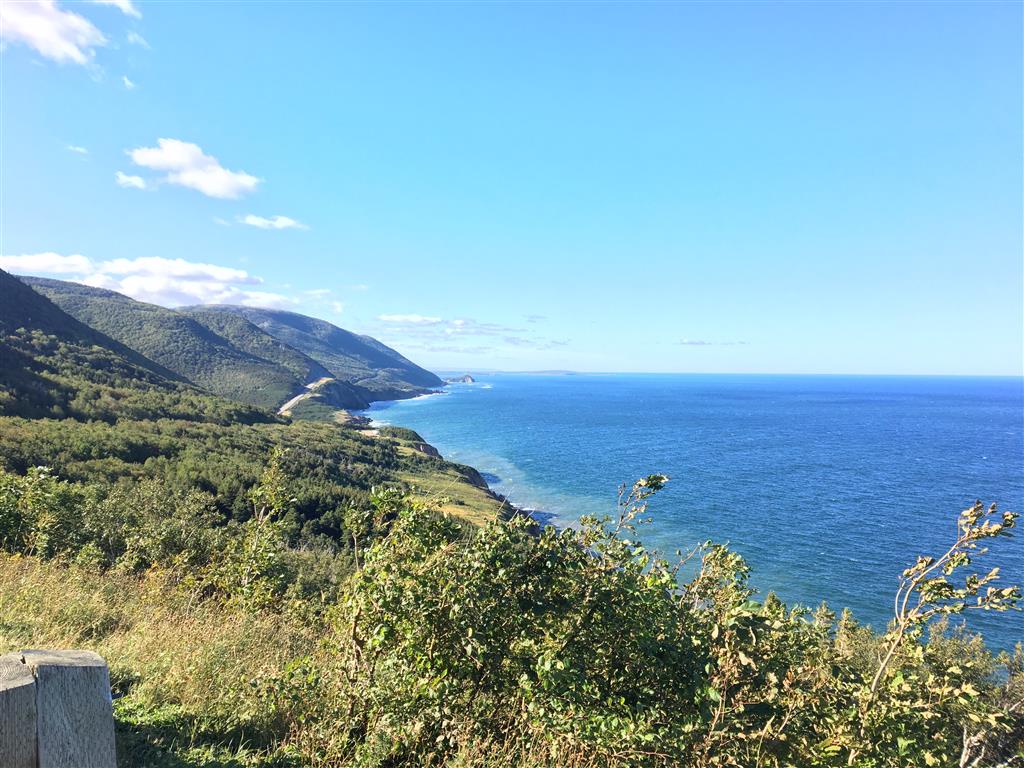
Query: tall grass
[(190, 677)]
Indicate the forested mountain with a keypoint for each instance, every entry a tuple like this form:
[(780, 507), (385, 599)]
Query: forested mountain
[(249, 338), (185, 345), (24, 308), (223, 351), (53, 366), (360, 360), (74, 399)]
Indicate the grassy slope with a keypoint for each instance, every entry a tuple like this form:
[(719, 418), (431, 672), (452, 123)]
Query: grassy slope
[(446, 486), (182, 697)]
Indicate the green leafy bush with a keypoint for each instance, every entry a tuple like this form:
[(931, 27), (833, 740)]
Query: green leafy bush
[(580, 646)]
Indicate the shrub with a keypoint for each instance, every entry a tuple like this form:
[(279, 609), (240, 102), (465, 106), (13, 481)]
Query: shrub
[(580, 645)]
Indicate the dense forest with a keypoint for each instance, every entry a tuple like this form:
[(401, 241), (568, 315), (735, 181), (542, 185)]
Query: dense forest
[(284, 592)]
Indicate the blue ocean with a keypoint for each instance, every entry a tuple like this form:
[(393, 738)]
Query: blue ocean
[(829, 486)]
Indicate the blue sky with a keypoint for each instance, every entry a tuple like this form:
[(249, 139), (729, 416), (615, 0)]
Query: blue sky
[(801, 187)]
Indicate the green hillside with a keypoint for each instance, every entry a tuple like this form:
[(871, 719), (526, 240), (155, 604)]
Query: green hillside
[(249, 339), (73, 398), (53, 366), (360, 360), (183, 344), (260, 357)]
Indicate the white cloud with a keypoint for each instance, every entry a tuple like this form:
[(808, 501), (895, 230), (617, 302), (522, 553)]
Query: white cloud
[(174, 282), (129, 182), (188, 166), (274, 222), (77, 150), (127, 7), (319, 292), (156, 266), (222, 222), (134, 38), (48, 263), (54, 33), (128, 83), (410, 319), (171, 282), (338, 307)]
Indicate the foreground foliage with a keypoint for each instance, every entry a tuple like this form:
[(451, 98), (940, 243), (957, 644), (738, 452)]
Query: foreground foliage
[(424, 642)]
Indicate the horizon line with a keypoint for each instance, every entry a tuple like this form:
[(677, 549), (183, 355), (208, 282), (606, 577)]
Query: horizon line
[(569, 372)]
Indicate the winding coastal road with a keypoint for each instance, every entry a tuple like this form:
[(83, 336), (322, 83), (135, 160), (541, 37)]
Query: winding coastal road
[(310, 387)]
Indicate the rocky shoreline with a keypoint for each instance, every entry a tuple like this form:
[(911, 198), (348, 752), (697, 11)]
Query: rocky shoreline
[(508, 508)]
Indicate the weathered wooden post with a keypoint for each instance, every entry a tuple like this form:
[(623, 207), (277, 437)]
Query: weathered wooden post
[(17, 713), (56, 711)]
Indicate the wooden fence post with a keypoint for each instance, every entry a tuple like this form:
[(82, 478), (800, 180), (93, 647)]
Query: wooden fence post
[(73, 709), (17, 713), (55, 711)]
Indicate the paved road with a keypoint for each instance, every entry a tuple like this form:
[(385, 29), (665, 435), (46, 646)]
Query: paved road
[(302, 395)]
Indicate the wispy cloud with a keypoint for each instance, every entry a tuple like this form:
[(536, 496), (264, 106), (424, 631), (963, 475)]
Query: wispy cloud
[(479, 349), (128, 84), (127, 7), (702, 343), (134, 38), (129, 182), (54, 33), (188, 166), (319, 292), (77, 149), (469, 327), (274, 222), (337, 307), (461, 334), (409, 319), (170, 282)]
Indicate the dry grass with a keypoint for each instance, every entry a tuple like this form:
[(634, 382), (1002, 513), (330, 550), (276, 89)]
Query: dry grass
[(188, 673), (446, 490), (195, 680)]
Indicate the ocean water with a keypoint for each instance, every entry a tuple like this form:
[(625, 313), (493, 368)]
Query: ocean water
[(828, 485)]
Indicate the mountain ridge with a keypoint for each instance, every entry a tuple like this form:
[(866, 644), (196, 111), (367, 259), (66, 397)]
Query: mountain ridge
[(221, 349), (361, 360), (53, 366)]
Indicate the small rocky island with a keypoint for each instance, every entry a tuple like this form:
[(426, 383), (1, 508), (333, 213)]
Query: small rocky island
[(467, 379)]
